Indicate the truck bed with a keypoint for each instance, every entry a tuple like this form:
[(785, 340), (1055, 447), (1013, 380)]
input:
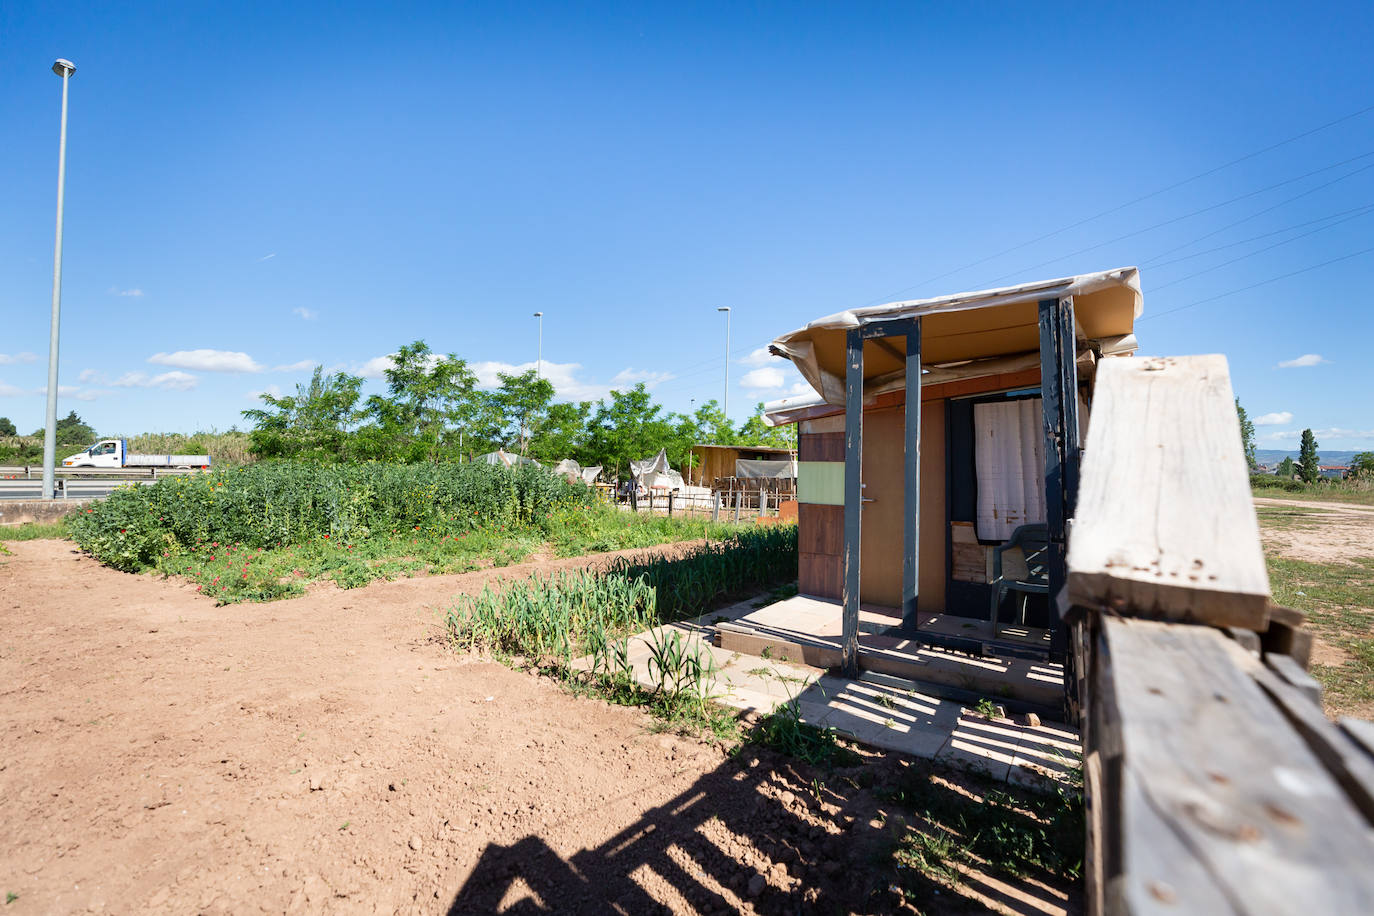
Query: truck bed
[(165, 461)]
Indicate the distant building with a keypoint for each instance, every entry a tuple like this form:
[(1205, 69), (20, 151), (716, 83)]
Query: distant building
[(1335, 471)]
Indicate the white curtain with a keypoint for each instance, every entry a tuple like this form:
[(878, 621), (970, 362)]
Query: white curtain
[(1009, 455)]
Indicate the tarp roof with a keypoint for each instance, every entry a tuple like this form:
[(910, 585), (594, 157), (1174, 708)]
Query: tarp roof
[(966, 326)]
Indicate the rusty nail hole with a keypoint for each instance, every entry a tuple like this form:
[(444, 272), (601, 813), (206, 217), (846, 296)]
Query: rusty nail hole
[(1163, 892), (1154, 691), (1216, 777), (1282, 815)]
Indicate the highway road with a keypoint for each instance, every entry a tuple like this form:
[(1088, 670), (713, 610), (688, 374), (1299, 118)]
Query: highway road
[(75, 489)]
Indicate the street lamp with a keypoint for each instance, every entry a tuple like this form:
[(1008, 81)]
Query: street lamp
[(539, 366), (726, 404), (64, 69)]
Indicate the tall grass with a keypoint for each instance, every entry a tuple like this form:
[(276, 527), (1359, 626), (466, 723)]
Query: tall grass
[(277, 504), (571, 614)]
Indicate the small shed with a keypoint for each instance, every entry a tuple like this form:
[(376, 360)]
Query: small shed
[(713, 462), (936, 428)]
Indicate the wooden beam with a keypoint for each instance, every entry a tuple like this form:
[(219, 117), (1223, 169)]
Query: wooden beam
[(1165, 524), (1051, 402), (911, 481), (853, 497), (1213, 803)]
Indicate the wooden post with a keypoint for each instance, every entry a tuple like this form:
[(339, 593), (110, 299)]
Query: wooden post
[(1052, 400), (853, 496), (715, 505), (670, 503), (911, 480)]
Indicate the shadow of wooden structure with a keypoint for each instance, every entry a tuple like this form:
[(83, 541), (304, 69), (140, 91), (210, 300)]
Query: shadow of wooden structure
[(1215, 784)]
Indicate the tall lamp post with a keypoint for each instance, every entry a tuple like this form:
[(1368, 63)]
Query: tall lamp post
[(64, 69), (725, 405), (539, 366)]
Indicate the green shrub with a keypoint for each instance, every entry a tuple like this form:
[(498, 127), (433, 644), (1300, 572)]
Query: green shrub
[(277, 504)]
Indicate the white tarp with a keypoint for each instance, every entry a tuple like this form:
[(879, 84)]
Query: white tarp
[(754, 469), (799, 348), (1009, 455), (655, 473), (574, 471), (509, 459)]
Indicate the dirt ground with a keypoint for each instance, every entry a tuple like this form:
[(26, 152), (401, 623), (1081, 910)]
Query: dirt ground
[(330, 753), (1329, 533)]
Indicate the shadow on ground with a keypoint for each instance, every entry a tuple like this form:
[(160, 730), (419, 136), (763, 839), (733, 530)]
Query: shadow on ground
[(765, 833)]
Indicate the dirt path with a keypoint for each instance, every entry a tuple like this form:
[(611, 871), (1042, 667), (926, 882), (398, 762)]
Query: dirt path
[(162, 754), (1317, 532)]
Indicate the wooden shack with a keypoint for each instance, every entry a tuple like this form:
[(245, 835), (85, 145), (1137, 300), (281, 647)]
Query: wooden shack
[(901, 508), (713, 462)]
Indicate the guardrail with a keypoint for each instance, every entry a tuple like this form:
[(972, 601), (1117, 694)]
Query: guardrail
[(35, 472), (1215, 784)]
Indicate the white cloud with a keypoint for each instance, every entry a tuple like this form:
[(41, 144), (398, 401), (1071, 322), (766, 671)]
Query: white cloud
[(628, 378), (305, 313), (1307, 359), (762, 379), (65, 391), (297, 366), (9, 391), (168, 381), (9, 358), (268, 257), (760, 357), (132, 293), (1274, 419), (375, 367), (208, 360), (1323, 436), (802, 387), (273, 390)]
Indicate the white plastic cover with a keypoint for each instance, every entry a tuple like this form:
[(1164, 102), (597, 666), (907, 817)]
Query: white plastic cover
[(655, 472), (752, 469), (509, 459)]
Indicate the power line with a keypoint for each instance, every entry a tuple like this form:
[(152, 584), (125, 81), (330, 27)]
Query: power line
[(1242, 289), (1208, 209), (1130, 203), (1251, 254), (1254, 238)]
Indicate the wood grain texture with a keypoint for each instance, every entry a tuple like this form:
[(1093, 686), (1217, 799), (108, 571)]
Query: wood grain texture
[(820, 447), (1165, 526), (1220, 805)]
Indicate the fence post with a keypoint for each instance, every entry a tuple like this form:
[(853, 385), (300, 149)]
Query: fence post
[(670, 503), (715, 505)]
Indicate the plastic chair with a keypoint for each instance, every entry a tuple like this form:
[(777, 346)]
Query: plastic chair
[(1020, 565)]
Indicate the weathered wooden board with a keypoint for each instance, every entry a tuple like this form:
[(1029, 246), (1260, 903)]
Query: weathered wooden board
[(1165, 526), (1220, 806), (968, 558)]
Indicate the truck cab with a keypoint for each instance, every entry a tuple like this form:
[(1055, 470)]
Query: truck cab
[(107, 453)]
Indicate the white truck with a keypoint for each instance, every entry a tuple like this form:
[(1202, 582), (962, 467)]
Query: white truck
[(114, 453)]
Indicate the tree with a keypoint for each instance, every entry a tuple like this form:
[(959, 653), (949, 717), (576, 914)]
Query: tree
[(72, 430), (630, 428), (561, 433), (7, 427), (1247, 435), (1287, 468), (756, 431), (315, 422), (1362, 465), (1309, 467), (430, 403), (511, 413)]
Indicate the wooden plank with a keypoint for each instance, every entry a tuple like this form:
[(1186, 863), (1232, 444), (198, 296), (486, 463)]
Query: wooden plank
[(1223, 808), (911, 479), (1295, 642), (853, 497), (1295, 676), (1343, 758), (1165, 524), (820, 447)]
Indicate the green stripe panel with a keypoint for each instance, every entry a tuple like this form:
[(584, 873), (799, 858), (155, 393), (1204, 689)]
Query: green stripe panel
[(820, 482)]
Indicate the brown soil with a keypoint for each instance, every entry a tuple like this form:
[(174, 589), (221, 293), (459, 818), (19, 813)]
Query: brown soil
[(1334, 533), (328, 753)]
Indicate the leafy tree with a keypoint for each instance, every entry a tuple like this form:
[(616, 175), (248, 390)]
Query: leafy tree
[(1309, 465), (757, 432), (1287, 468), (430, 402), (72, 430), (562, 433), (1362, 465), (1247, 435), (7, 427), (514, 410), (629, 428), (313, 423), (713, 427)]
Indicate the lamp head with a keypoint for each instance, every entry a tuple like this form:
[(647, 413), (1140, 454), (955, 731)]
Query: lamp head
[(63, 67), (723, 308), (538, 314)]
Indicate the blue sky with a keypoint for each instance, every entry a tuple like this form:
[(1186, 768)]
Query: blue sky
[(253, 189)]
